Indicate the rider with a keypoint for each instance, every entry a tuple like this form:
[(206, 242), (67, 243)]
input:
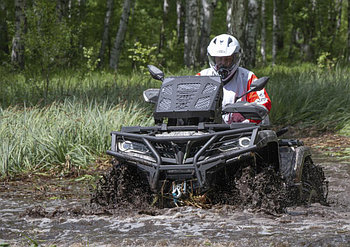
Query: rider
[(224, 53)]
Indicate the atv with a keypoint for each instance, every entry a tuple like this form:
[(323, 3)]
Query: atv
[(190, 151)]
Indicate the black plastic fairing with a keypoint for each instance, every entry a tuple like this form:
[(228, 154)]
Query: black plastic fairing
[(190, 97)]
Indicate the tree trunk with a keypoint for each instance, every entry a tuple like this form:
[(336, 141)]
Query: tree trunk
[(4, 42), (208, 7), (263, 32), (118, 43), (82, 17), (191, 33), (17, 54), (236, 17), (164, 23), (105, 36), (339, 5), (309, 32), (277, 29), (179, 22), (229, 17), (274, 32), (280, 37), (63, 8), (251, 33)]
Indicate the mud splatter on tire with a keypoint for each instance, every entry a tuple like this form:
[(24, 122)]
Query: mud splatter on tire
[(263, 191), (314, 187), (126, 187), (123, 186)]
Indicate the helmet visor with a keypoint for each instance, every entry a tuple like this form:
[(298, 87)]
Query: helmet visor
[(226, 62)]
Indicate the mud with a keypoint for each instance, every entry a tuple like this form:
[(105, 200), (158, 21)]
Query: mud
[(126, 188), (60, 213)]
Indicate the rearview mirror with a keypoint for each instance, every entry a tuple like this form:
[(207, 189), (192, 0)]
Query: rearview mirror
[(256, 85), (259, 84), (155, 72)]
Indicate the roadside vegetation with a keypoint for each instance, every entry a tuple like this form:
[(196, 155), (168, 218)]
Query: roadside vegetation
[(66, 124)]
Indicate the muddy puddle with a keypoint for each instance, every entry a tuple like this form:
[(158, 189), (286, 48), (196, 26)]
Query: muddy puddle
[(57, 212)]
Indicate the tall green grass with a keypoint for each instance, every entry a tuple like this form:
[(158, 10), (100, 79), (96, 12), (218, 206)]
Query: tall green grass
[(70, 123), (93, 86), (309, 96), (39, 138)]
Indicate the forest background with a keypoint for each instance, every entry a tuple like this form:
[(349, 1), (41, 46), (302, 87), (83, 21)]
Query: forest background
[(73, 70)]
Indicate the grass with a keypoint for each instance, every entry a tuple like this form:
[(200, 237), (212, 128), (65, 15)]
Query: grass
[(71, 126), (309, 96), (68, 123), (70, 133)]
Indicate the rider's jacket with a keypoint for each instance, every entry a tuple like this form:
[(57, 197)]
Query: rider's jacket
[(238, 85)]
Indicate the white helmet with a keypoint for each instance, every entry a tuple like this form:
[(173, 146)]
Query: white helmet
[(224, 47)]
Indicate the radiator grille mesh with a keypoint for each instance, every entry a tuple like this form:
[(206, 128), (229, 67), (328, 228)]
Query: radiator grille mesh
[(203, 103), (165, 104), (209, 88)]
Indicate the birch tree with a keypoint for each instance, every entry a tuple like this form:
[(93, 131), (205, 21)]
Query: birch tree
[(207, 10), (191, 33), (309, 31), (119, 40), (338, 8), (274, 32), (105, 35), (236, 19), (179, 15), (251, 32), (263, 32), (277, 29), (17, 54), (164, 23), (280, 24)]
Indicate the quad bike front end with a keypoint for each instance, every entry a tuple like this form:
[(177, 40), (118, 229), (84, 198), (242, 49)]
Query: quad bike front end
[(190, 154)]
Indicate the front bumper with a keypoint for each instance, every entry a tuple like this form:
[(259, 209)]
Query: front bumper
[(182, 157)]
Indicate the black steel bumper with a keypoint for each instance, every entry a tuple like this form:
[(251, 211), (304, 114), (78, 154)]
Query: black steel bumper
[(198, 163)]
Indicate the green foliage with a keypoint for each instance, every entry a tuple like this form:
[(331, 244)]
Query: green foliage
[(325, 61), (47, 44), (47, 41), (142, 56), (56, 35), (91, 59)]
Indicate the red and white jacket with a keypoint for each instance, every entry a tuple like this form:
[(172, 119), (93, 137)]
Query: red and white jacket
[(238, 85)]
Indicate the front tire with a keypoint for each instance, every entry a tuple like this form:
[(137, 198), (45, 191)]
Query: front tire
[(314, 187)]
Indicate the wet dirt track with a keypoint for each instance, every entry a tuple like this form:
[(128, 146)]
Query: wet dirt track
[(50, 223)]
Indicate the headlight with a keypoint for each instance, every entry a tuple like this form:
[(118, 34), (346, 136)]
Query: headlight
[(235, 144), (244, 142), (135, 147)]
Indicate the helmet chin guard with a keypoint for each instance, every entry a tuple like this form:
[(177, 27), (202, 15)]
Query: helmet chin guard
[(224, 48), (227, 74)]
